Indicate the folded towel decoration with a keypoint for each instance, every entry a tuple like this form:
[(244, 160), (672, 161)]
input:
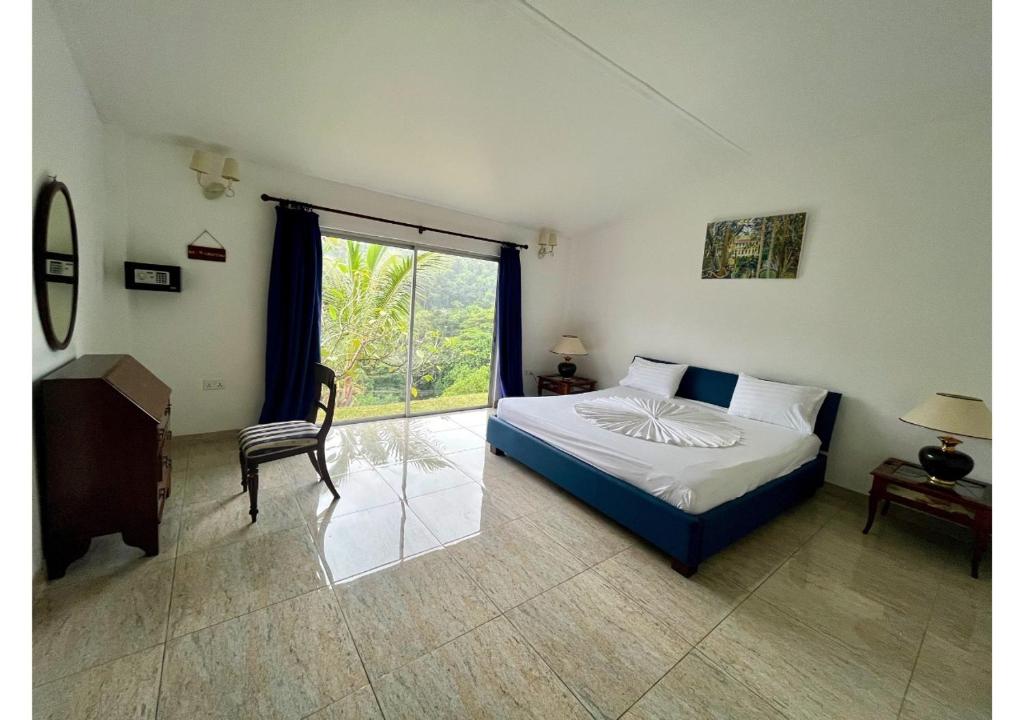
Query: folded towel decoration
[(660, 421)]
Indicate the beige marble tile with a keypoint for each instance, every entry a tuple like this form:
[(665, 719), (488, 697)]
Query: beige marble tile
[(360, 490), (360, 705), (224, 480), (797, 525), (803, 672), (515, 561), (872, 572), (432, 424), (488, 673), (690, 606), (122, 689), (458, 512), (962, 612), (208, 453), (456, 440), (286, 660), (920, 705), (584, 532), (481, 463), (175, 501), (884, 632), (475, 420), (914, 545), (402, 612), (951, 676), (227, 581), (220, 522), (362, 541), (752, 558), (78, 625), (605, 648), (419, 477), (516, 494), (212, 482), (390, 442), (697, 689)]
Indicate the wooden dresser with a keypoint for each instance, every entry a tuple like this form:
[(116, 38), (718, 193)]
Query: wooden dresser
[(103, 456)]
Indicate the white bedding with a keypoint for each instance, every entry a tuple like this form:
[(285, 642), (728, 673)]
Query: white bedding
[(693, 479)]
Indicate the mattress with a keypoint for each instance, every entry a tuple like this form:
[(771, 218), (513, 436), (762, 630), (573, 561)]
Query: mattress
[(692, 479)]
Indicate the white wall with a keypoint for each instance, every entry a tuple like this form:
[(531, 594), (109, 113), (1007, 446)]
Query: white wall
[(216, 327), (68, 141), (892, 301)]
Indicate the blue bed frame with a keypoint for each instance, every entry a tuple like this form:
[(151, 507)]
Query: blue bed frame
[(687, 538)]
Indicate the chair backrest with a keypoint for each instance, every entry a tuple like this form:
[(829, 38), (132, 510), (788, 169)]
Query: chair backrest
[(325, 376)]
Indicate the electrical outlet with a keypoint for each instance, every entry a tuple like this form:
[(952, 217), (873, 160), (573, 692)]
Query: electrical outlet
[(213, 384)]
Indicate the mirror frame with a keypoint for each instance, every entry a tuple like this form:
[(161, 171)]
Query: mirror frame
[(47, 194)]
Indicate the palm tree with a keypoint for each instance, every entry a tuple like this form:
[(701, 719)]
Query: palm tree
[(367, 293)]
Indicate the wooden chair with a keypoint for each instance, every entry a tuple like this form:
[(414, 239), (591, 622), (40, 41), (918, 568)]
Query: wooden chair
[(259, 444)]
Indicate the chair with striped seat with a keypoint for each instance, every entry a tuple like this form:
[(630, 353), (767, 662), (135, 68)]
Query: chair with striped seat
[(258, 444)]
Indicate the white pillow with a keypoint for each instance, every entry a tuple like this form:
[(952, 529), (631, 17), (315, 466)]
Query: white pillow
[(661, 379), (792, 406)]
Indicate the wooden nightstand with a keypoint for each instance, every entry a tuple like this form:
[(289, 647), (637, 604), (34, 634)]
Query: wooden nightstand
[(564, 386), (904, 483)]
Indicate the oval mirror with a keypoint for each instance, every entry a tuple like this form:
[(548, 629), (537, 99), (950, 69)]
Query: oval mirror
[(56, 263)]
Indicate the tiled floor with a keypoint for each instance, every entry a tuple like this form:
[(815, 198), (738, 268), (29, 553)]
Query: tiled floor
[(450, 583)]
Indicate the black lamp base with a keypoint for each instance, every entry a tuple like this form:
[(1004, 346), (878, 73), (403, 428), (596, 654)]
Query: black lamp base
[(945, 465), (566, 369)]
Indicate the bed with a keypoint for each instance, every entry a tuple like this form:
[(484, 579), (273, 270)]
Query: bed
[(690, 515)]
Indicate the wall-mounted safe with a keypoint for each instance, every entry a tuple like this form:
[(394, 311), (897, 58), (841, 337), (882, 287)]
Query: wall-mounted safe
[(147, 276)]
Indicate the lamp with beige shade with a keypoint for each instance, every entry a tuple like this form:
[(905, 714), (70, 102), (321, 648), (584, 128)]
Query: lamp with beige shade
[(215, 174), (953, 415), (567, 346)]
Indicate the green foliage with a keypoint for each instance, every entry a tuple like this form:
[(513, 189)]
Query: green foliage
[(367, 290), (466, 381)]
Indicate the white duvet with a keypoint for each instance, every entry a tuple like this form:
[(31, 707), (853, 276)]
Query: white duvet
[(694, 479)]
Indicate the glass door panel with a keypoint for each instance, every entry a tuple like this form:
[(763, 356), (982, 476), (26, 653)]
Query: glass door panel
[(364, 328), (453, 332)]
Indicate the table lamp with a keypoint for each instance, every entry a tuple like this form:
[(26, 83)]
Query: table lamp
[(567, 346), (953, 415)]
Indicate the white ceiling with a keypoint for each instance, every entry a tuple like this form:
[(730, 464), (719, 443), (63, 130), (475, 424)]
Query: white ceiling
[(488, 107)]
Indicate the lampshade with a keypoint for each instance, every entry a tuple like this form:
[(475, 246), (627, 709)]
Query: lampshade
[(569, 345), (205, 162), (953, 414), (547, 237), (230, 169)]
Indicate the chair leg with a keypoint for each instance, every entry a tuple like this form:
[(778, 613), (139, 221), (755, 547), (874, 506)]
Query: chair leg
[(253, 477), (316, 465), (241, 464), (324, 475)]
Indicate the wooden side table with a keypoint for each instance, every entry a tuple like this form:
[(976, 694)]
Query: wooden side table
[(904, 483), (564, 386)]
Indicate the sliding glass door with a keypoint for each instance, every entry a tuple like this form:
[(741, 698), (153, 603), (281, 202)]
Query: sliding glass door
[(407, 331), (453, 332)]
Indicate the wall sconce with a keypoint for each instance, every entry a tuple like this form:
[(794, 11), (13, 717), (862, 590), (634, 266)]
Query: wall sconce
[(214, 174), (546, 242)]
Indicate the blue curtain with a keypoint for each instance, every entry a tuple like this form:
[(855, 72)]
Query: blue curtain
[(510, 324), (293, 317)]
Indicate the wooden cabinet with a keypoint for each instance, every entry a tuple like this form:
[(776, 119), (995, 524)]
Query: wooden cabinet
[(564, 386), (103, 456)]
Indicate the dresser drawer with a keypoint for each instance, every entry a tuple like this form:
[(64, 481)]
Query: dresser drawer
[(163, 430), (163, 486)]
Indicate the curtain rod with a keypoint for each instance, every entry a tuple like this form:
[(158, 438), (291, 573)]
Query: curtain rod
[(420, 228)]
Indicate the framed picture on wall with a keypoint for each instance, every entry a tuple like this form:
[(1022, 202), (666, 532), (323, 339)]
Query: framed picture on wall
[(760, 247)]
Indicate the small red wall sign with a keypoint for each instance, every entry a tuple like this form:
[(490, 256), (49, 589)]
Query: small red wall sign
[(201, 252)]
